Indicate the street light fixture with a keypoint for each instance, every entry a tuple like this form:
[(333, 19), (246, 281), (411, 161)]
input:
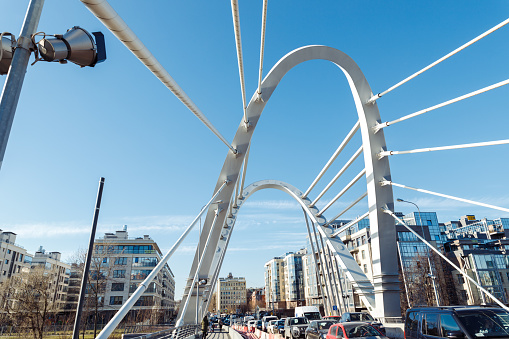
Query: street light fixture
[(76, 45), (6, 52), (430, 274)]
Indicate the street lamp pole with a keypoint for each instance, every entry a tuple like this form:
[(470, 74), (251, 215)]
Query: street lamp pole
[(16, 75), (431, 275)]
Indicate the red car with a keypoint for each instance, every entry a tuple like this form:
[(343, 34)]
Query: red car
[(353, 330)]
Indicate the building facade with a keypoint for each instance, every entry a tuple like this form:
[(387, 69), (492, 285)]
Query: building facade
[(285, 281), (58, 272), (14, 258), (119, 264), (231, 294)]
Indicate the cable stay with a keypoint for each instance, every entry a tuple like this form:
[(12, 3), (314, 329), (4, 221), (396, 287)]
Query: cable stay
[(340, 173), (343, 191), (462, 47), (444, 148), (117, 26), (262, 48), (347, 139), (452, 101), (238, 43), (388, 182), (463, 273), (346, 209)]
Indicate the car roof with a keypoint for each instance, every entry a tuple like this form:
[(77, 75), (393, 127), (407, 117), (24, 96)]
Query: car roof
[(452, 308)]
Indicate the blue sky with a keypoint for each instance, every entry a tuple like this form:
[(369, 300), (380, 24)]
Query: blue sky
[(117, 120)]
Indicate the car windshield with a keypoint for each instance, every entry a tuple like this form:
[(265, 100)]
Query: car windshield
[(312, 315), (324, 325), (358, 331), (299, 321), (361, 317), (486, 323), (281, 322)]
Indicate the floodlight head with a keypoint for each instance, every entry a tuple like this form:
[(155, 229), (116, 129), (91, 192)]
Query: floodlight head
[(6, 52), (76, 45)]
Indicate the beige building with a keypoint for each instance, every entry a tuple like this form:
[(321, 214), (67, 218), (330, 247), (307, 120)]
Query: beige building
[(129, 261), (231, 294), (59, 273)]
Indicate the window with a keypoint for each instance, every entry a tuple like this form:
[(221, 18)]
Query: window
[(119, 274), (461, 280), (448, 324), (6, 261), (8, 251), (463, 295), (117, 287), (121, 261), (431, 325), (116, 300), (365, 268), (363, 254), (21, 257), (412, 321)]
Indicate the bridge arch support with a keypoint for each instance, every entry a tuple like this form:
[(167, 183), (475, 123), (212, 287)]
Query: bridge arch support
[(218, 225)]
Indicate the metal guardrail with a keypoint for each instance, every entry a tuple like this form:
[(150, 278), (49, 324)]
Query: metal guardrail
[(181, 332)]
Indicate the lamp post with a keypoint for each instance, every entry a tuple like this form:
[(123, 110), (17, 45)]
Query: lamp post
[(430, 274)]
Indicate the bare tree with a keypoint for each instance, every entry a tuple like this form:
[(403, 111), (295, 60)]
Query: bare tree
[(27, 300)]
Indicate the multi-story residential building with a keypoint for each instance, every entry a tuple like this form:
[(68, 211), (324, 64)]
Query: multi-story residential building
[(13, 257), (58, 272), (231, 294), (118, 266), (479, 247), (275, 283), (284, 281)]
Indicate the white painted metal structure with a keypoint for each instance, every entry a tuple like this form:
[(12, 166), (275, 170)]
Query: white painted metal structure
[(381, 296)]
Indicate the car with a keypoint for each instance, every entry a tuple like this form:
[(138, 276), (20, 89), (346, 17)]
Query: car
[(456, 322), (280, 327), (354, 329), (265, 321), (364, 317), (335, 318), (271, 325), (318, 329), (295, 327)]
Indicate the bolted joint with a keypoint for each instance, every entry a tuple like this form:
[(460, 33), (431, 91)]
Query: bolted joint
[(259, 97), (25, 43), (373, 99), (385, 182), (379, 126)]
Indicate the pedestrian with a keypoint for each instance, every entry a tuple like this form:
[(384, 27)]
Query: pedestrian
[(204, 326), (220, 325)]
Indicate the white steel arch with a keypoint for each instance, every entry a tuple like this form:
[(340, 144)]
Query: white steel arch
[(218, 225)]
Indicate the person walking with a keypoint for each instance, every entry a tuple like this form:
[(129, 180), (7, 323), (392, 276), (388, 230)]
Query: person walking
[(204, 326)]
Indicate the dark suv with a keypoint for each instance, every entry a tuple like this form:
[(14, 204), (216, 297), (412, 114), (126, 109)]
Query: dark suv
[(456, 322)]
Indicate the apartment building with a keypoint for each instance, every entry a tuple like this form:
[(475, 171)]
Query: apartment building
[(58, 272), (231, 294), (119, 264), (13, 257)]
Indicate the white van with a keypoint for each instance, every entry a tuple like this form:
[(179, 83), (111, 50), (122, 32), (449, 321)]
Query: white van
[(265, 321), (310, 312)]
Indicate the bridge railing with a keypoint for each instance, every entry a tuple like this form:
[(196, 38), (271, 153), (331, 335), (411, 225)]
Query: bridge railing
[(150, 331)]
